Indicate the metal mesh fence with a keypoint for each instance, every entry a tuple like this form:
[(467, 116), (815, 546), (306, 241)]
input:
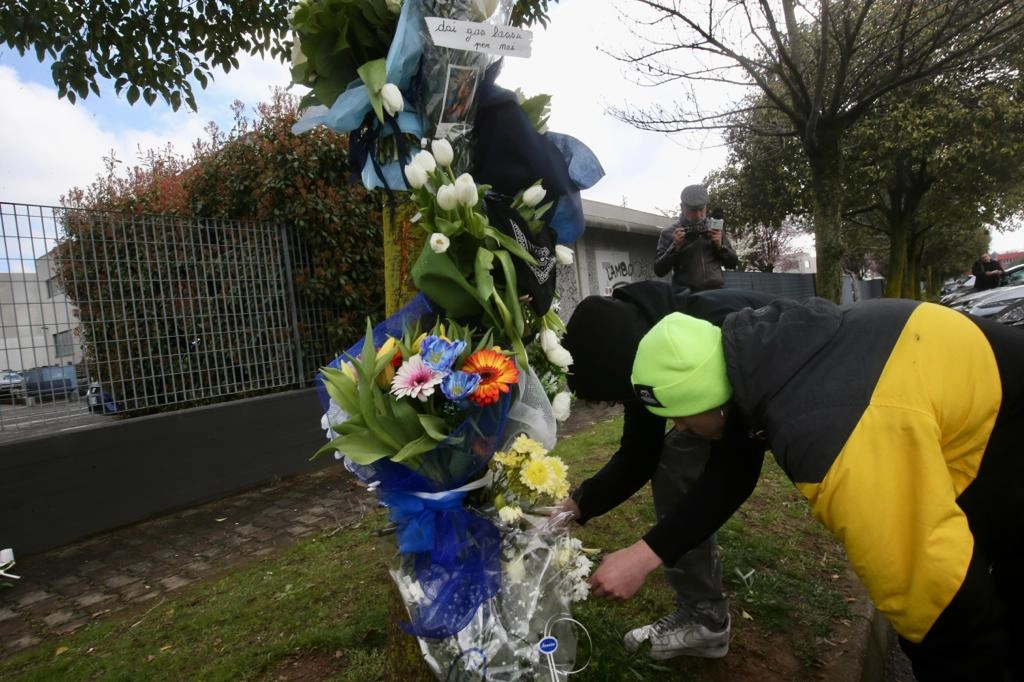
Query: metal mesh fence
[(112, 313)]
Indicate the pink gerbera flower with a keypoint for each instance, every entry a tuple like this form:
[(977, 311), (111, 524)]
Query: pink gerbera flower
[(415, 380)]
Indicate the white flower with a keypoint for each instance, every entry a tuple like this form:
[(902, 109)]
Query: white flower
[(415, 174), (559, 357), (482, 9), (533, 195), (425, 160), (547, 339), (392, 97), (510, 514), (442, 152), (394, 6), (298, 56), (465, 189), (560, 405), (563, 254), (446, 197), (334, 416), (439, 243)]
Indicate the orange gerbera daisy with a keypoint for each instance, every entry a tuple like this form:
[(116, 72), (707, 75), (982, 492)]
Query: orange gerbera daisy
[(496, 372)]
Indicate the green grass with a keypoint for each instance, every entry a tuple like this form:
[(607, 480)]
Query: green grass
[(319, 611)]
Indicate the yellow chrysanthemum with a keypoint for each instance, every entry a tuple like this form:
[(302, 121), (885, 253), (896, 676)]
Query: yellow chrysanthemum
[(528, 446), (510, 459), (545, 475)]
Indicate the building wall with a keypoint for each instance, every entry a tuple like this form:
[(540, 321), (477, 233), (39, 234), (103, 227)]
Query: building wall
[(34, 312)]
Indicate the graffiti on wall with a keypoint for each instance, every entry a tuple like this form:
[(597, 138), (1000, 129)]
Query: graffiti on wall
[(614, 268)]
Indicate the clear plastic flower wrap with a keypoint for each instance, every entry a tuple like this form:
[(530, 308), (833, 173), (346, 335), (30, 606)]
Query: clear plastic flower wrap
[(526, 631), (449, 79)]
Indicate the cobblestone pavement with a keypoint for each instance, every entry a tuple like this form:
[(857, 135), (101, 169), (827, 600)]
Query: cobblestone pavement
[(64, 589)]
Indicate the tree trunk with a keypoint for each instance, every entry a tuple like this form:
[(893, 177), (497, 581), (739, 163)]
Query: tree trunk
[(897, 259), (402, 244), (826, 186)]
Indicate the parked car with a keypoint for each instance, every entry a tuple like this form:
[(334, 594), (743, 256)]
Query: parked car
[(1012, 315), (51, 382), (957, 285), (961, 297), (101, 401), (11, 382), (996, 302)]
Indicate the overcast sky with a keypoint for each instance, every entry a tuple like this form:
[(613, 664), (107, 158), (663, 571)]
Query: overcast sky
[(49, 145)]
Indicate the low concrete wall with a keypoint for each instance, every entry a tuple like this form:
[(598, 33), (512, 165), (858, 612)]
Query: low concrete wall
[(73, 484)]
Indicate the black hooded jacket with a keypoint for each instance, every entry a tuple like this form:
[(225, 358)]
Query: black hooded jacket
[(602, 336)]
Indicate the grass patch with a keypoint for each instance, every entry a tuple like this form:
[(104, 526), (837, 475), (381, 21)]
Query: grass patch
[(319, 611)]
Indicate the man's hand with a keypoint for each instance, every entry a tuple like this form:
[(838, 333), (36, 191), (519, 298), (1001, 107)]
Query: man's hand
[(716, 237), (622, 573), (562, 514), (678, 237)]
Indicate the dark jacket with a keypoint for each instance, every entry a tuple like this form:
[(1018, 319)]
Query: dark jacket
[(983, 280), (697, 264), (900, 422), (603, 361)]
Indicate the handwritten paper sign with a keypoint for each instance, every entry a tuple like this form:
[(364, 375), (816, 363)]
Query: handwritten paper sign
[(474, 37)]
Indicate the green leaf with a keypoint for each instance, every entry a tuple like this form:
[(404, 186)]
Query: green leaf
[(341, 389), (441, 281), (435, 426), (374, 75), (509, 244), (363, 447), (421, 445)]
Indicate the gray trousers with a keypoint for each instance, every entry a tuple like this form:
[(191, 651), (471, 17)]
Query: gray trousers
[(697, 577)]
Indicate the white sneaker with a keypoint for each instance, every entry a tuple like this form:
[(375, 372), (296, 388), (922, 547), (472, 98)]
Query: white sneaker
[(674, 635)]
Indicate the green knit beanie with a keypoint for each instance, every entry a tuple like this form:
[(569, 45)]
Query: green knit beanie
[(679, 369)]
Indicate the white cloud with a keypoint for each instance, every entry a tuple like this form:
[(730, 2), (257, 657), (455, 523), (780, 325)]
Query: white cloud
[(53, 145)]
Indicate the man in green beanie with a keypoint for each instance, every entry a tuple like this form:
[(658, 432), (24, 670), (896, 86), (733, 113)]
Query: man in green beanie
[(871, 410), (602, 336)]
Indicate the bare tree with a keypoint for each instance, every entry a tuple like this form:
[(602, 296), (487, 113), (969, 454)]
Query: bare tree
[(820, 65)]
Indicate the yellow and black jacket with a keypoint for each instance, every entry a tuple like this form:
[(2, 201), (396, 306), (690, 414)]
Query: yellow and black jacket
[(900, 422)]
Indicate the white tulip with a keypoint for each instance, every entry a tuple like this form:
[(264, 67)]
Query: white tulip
[(394, 6), (446, 197), (547, 339), (439, 243), (442, 152), (465, 189), (425, 160), (563, 254), (533, 195), (415, 174), (560, 405), (559, 357), (482, 9), (392, 96), (298, 56)]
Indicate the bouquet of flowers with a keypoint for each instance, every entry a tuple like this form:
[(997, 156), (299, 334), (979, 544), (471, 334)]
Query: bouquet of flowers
[(418, 416)]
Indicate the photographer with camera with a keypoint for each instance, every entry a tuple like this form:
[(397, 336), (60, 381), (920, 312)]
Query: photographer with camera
[(694, 248)]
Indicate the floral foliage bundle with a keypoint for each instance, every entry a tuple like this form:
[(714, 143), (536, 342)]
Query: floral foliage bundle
[(400, 400), (474, 365)]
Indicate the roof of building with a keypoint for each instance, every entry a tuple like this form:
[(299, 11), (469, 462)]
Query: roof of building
[(623, 219)]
